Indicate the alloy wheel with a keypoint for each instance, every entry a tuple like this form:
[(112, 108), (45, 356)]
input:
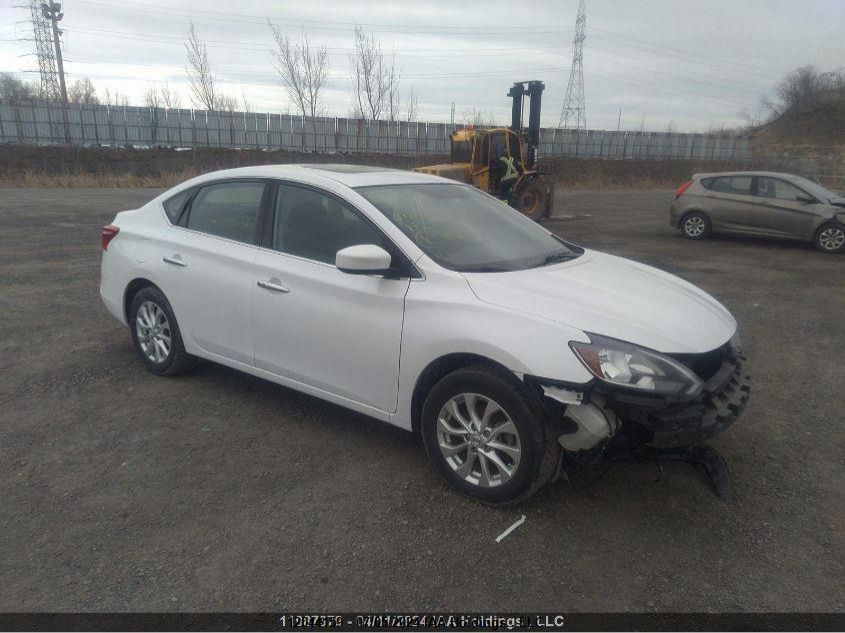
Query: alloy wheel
[(153, 331), (694, 226), (832, 238), (478, 440)]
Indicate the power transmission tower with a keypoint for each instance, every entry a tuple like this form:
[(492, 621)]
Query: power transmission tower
[(45, 19), (573, 113)]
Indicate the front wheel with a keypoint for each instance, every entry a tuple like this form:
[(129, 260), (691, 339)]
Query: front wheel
[(830, 238), (530, 199), (485, 438)]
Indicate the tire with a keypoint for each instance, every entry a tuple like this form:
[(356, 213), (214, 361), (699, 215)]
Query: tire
[(830, 238), (531, 456), (150, 306), (695, 226), (530, 199)]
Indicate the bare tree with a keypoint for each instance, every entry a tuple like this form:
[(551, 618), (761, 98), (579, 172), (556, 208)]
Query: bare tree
[(115, 98), (393, 98), (478, 117), (247, 104), (412, 109), (375, 79), (82, 91), (805, 85), (16, 90), (303, 69), (160, 95), (152, 99), (205, 91)]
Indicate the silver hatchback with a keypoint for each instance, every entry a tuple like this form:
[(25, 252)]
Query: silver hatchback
[(760, 203)]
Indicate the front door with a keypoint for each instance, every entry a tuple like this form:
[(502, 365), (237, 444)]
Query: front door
[(780, 212), (314, 324)]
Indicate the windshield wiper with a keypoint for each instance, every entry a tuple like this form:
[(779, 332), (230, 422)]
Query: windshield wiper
[(558, 257), (482, 269)]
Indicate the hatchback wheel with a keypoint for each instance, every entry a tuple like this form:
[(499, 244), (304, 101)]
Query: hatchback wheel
[(485, 437), (156, 334), (830, 238), (695, 226)]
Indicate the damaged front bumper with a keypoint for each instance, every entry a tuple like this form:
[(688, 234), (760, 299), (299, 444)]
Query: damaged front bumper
[(597, 422), (600, 411), (663, 424)]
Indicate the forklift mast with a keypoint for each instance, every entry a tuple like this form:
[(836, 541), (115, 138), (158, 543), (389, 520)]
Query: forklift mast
[(518, 92)]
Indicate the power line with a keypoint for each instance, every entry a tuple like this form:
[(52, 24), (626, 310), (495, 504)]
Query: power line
[(693, 54), (447, 52), (318, 24)]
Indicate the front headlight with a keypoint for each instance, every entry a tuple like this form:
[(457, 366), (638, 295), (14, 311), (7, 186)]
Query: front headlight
[(630, 366)]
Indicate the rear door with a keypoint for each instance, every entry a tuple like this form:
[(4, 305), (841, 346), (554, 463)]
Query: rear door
[(729, 202), (780, 212), (205, 268), (314, 324)]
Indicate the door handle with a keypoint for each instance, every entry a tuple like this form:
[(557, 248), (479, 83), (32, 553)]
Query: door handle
[(273, 285), (176, 260)]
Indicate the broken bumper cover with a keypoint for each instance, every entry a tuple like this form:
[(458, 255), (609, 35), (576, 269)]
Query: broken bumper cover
[(720, 403)]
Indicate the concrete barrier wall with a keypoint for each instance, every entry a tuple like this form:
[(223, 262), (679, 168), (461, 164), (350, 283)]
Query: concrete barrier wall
[(92, 125)]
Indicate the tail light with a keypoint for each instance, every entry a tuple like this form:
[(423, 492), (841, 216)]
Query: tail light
[(107, 234), (683, 188)]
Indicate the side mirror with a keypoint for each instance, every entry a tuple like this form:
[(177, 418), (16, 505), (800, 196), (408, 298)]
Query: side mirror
[(363, 259), (805, 198)]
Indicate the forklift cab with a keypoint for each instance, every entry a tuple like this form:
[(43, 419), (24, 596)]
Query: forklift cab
[(488, 146)]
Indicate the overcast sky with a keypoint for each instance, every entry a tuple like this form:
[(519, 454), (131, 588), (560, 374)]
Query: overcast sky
[(691, 64)]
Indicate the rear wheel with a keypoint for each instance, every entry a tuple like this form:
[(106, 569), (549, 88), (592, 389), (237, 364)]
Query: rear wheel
[(156, 334), (530, 199), (830, 238), (485, 437), (695, 226)]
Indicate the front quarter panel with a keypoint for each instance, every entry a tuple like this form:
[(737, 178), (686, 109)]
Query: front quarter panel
[(443, 316)]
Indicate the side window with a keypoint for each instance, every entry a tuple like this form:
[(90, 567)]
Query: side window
[(173, 207), (497, 145), (227, 210), (315, 226), (737, 185), (778, 189)]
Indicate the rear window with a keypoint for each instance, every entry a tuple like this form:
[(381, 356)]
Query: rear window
[(228, 210), (173, 207), (461, 151), (737, 185)]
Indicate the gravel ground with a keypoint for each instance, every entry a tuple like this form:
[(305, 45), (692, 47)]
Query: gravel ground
[(220, 491)]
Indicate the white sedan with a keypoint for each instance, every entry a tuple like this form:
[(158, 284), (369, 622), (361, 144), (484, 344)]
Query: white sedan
[(429, 305)]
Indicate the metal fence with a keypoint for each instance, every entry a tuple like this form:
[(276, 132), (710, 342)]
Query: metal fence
[(92, 125)]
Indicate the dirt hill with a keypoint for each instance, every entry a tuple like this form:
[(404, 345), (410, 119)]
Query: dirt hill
[(816, 128)]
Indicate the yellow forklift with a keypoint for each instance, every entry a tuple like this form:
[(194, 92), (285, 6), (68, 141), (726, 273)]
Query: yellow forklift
[(475, 152)]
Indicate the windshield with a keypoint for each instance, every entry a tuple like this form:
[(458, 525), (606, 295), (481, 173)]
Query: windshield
[(813, 189), (465, 230)]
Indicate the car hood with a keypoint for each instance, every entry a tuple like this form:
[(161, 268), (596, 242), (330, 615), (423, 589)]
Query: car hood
[(614, 297)]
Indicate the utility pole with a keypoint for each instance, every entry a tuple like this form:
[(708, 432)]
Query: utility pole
[(619, 120), (572, 115), (52, 12), (453, 115)]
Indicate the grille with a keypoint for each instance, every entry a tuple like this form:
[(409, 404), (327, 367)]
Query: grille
[(704, 365)]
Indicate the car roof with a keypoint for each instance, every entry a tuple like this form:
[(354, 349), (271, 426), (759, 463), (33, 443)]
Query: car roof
[(771, 174), (346, 174)]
